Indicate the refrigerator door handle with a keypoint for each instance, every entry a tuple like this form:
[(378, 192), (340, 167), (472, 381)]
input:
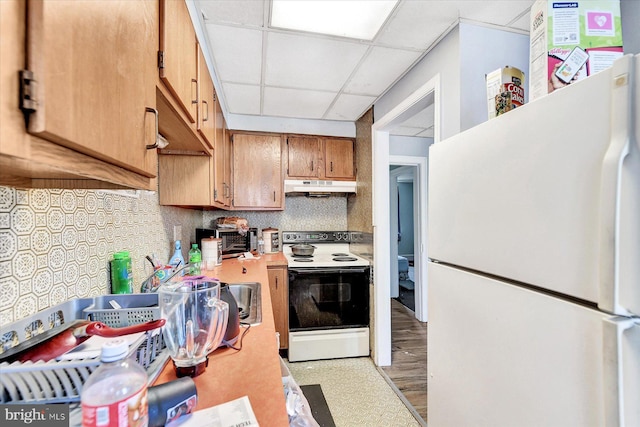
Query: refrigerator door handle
[(613, 370), (610, 186)]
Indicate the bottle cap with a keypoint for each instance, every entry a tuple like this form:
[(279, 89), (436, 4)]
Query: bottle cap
[(194, 246), (120, 255), (114, 350)]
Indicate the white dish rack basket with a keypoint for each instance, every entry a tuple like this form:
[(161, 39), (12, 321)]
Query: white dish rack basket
[(61, 381)]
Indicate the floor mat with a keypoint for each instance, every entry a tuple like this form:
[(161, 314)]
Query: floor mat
[(318, 404)]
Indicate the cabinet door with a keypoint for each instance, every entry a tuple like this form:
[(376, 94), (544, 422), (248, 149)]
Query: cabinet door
[(206, 110), (280, 303), (93, 63), (303, 157), (222, 163), (178, 47), (339, 158), (257, 171), (185, 180)]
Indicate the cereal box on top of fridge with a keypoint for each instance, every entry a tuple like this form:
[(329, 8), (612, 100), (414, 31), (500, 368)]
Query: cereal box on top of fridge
[(571, 40), (505, 90)]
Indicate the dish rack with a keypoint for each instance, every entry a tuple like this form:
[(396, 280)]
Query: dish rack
[(61, 381)]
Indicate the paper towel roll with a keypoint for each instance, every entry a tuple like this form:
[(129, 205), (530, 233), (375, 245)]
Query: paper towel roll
[(211, 252)]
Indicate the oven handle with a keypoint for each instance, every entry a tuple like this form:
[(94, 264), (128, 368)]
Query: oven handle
[(328, 270)]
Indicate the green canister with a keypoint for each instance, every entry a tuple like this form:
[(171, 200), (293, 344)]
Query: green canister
[(121, 273)]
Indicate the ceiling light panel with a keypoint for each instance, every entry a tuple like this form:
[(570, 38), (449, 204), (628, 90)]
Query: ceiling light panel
[(349, 107), (240, 12), (242, 99), (380, 69), (237, 53), (296, 103), (358, 19), (310, 62)]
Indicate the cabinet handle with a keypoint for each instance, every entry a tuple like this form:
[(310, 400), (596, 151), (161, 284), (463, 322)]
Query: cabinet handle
[(276, 283), (155, 113), (195, 101), (311, 165), (274, 196), (331, 166), (207, 110)]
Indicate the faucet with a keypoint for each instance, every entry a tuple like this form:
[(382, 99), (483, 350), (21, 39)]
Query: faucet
[(153, 282)]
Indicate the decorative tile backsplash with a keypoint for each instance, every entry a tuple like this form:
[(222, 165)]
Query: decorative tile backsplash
[(56, 245), (301, 213)]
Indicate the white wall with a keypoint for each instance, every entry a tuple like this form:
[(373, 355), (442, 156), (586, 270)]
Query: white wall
[(409, 146), (482, 50), (443, 59)]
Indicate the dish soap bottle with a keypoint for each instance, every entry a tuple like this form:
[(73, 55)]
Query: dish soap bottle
[(195, 260), (177, 260)]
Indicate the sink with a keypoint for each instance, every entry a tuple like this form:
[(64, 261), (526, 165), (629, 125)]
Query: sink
[(249, 299)]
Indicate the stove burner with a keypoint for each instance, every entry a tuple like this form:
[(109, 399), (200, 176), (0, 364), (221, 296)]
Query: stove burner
[(345, 258), (302, 259), (340, 254), (301, 256)]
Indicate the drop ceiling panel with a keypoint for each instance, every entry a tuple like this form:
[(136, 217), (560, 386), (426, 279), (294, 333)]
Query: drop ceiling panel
[(406, 131), (501, 13), (306, 62), (417, 24), (380, 69), (296, 103), (241, 12), (423, 119), (349, 107), (428, 133), (242, 99), (237, 53)]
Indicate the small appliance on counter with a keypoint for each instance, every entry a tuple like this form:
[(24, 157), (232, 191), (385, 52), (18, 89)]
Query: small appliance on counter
[(271, 240), (234, 242)]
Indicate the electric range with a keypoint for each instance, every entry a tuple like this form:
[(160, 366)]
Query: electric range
[(328, 297)]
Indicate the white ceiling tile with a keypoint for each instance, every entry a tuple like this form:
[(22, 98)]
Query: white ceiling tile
[(405, 131), (296, 103), (237, 53), (423, 119), (499, 13), (428, 133), (417, 24), (242, 99), (380, 69), (241, 12), (523, 23), (298, 61), (349, 107)]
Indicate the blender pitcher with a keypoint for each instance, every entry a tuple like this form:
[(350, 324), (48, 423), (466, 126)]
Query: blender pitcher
[(196, 321)]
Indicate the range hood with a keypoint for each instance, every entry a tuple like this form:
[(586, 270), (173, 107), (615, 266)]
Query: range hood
[(317, 186)]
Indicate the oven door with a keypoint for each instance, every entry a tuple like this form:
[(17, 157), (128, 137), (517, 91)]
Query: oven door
[(328, 298)]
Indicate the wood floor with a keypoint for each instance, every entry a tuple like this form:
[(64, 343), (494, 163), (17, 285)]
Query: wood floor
[(408, 369)]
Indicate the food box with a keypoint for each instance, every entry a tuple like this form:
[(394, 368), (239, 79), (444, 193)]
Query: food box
[(571, 40), (505, 90)]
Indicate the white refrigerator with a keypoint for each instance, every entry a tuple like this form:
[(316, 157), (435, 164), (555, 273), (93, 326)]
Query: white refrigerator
[(534, 272)]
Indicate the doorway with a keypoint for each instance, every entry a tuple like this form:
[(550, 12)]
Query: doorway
[(427, 95)]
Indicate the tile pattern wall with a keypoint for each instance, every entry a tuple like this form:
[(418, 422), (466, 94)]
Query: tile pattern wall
[(56, 245), (300, 214)]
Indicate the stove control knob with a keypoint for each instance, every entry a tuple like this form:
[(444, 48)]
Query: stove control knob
[(323, 237)]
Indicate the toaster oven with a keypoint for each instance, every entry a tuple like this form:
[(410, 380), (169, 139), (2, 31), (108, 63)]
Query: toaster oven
[(233, 243)]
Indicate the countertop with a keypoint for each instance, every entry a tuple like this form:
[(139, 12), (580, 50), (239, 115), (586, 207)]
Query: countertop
[(253, 371)]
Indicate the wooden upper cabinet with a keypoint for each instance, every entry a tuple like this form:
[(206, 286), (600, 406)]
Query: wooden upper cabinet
[(339, 159), (303, 154), (185, 180), (257, 172), (92, 66), (222, 160), (206, 111), (178, 55)]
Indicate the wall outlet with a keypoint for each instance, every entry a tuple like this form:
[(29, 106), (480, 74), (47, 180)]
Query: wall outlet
[(177, 232)]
